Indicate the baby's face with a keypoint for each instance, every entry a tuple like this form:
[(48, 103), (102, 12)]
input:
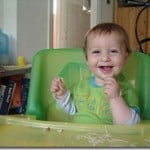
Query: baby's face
[(106, 55)]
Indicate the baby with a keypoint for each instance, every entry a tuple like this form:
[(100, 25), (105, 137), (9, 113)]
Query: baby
[(105, 97)]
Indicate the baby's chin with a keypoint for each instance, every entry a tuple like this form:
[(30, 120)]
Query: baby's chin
[(104, 76), (108, 76)]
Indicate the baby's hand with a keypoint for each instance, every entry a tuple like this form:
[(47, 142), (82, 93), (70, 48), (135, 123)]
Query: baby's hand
[(58, 88), (111, 87)]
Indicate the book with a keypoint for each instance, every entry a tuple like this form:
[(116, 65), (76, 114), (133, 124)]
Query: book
[(4, 100), (11, 94), (16, 99), (7, 97), (2, 90), (24, 94)]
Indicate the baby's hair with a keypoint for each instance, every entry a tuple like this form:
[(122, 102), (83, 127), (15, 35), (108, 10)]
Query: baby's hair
[(107, 28)]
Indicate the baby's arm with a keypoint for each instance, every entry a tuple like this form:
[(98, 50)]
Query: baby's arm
[(122, 113), (62, 96)]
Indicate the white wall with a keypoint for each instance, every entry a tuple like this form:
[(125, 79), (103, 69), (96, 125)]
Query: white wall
[(1, 13), (32, 26), (10, 26), (27, 24), (71, 24), (101, 11)]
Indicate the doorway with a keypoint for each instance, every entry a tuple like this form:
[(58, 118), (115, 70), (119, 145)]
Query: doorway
[(70, 23)]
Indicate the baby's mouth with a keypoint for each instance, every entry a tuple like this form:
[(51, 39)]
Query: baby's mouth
[(106, 69)]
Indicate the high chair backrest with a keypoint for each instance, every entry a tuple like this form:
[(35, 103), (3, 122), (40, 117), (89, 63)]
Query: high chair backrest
[(70, 64), (137, 71)]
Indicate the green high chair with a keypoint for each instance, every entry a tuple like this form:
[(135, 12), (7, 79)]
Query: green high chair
[(70, 64), (46, 125)]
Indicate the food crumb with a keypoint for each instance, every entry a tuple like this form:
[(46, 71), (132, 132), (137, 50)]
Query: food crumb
[(60, 130), (47, 129)]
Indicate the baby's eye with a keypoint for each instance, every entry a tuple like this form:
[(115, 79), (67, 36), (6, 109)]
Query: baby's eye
[(114, 51), (96, 52)]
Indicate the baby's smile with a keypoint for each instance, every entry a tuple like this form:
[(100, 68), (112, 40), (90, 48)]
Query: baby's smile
[(106, 69)]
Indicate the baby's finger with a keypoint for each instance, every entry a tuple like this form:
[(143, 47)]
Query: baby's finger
[(54, 88), (109, 80), (61, 83)]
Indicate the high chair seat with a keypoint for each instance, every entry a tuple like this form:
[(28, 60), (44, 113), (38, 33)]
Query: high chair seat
[(70, 64)]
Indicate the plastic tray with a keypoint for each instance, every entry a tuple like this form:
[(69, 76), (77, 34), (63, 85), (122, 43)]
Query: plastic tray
[(27, 132)]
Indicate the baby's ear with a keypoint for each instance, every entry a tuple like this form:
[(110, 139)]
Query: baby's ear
[(86, 59), (126, 56)]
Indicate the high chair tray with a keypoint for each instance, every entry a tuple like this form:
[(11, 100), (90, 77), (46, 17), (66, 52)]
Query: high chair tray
[(27, 132)]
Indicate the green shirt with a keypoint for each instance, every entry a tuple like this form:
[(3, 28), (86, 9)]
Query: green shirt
[(92, 104)]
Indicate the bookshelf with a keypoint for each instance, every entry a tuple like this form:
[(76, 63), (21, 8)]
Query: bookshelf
[(14, 70), (14, 83)]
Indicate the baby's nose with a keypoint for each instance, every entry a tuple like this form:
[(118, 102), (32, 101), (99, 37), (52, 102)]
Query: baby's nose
[(105, 57)]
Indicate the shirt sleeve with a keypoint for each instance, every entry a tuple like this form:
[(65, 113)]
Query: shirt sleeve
[(135, 118), (67, 104)]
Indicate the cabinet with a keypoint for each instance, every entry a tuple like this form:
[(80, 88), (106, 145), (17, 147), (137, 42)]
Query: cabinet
[(14, 85), (126, 16)]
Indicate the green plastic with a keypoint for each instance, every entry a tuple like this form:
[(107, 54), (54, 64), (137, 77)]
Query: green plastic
[(45, 125), (137, 71), (71, 65), (26, 132), (46, 65)]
